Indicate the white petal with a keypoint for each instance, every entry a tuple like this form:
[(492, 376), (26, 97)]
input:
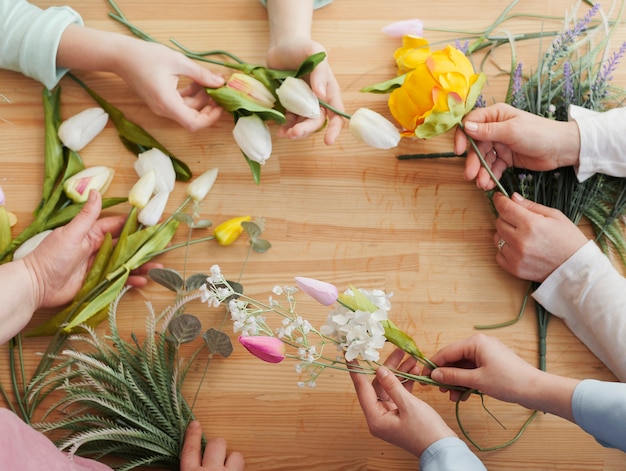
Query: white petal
[(296, 96), (79, 130), (31, 244), (156, 160), (199, 188), (253, 138), (142, 190), (152, 212), (374, 129)]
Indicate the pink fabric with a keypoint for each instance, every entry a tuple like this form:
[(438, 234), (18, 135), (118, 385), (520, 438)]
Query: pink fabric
[(22, 448)]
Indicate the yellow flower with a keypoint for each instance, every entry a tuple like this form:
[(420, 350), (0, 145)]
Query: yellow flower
[(414, 51), (228, 231), (436, 94)]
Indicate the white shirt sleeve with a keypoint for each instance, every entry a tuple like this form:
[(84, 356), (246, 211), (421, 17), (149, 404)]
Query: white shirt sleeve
[(29, 39), (449, 454), (602, 141), (589, 295)]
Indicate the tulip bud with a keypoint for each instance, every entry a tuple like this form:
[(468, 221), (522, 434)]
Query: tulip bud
[(269, 349), (228, 231), (78, 186), (156, 160), (199, 188), (400, 339), (79, 130), (373, 129), (413, 27), (2, 199), (30, 244), (252, 89), (152, 212), (296, 96), (324, 293), (253, 138), (141, 191)]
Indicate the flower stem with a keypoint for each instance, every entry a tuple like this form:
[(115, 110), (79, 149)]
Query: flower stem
[(333, 109), (483, 161), (432, 155)]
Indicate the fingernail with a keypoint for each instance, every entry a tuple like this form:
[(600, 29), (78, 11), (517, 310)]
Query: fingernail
[(471, 126), (436, 375), (382, 372), (517, 197)]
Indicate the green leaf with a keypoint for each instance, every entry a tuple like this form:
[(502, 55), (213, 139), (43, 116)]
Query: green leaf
[(53, 150), (65, 215), (439, 122), (260, 245), (167, 277), (218, 342), (252, 229), (131, 133), (400, 339), (255, 168), (184, 328), (385, 87), (237, 104), (194, 281), (308, 65), (357, 301)]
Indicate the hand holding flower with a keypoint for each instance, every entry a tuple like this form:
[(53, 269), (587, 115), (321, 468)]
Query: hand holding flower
[(508, 137), (484, 363), (214, 458), (393, 413)]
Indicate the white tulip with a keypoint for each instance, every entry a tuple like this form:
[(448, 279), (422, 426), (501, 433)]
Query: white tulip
[(151, 213), (79, 130), (31, 244), (142, 190), (251, 88), (374, 129), (296, 96), (253, 138), (78, 186), (158, 161), (199, 188)]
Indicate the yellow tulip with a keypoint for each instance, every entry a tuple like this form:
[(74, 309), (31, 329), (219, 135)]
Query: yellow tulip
[(414, 51), (436, 94), (227, 232)]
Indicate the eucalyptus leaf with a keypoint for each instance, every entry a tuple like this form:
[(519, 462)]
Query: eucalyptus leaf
[(218, 342), (201, 224), (182, 217), (252, 229), (184, 328), (167, 277), (261, 245), (195, 281)]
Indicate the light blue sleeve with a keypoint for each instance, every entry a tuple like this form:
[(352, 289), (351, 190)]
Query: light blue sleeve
[(316, 3), (599, 408), (450, 454), (30, 38)]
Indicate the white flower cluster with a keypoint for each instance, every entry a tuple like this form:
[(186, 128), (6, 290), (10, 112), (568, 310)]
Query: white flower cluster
[(359, 333)]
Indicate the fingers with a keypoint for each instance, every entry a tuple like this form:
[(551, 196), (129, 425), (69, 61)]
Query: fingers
[(88, 215), (392, 387), (191, 454)]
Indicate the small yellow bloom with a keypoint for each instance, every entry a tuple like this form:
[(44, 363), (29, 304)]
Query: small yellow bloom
[(436, 94), (414, 51), (227, 232)]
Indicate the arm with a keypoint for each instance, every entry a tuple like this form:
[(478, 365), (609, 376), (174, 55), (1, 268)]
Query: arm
[(602, 141), (484, 363), (30, 38), (290, 43), (589, 295), (395, 415)]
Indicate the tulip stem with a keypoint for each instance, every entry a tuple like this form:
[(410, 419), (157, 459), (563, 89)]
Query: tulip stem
[(333, 109), (483, 161)]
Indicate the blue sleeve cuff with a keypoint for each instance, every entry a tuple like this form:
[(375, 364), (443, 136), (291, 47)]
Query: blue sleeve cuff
[(599, 408), (449, 453)]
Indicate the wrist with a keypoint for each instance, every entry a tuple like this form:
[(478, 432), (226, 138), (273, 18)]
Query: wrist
[(568, 151), (547, 392)]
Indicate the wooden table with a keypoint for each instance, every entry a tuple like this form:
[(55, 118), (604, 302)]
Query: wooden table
[(347, 214)]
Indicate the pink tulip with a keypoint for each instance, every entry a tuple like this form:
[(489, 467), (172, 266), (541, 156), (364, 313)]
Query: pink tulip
[(398, 29), (324, 293), (269, 349)]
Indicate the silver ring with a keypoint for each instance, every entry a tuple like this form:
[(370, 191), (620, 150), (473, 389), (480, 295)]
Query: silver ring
[(501, 243)]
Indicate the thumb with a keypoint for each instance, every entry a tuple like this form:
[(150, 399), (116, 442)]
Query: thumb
[(531, 205), (89, 214), (455, 376), (489, 131), (202, 76)]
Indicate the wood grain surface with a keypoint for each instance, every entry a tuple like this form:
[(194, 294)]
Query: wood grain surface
[(346, 214)]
